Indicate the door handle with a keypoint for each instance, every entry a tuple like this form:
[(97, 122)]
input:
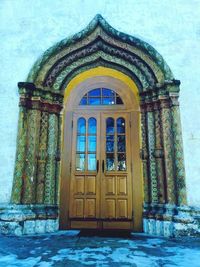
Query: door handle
[(103, 167), (97, 166)]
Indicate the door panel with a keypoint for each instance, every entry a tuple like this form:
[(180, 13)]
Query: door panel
[(90, 209), (110, 208), (110, 186), (122, 185), (116, 193), (79, 183), (100, 171), (122, 208), (90, 185), (78, 207), (84, 189)]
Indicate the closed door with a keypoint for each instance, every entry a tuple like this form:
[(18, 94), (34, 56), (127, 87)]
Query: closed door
[(101, 186)]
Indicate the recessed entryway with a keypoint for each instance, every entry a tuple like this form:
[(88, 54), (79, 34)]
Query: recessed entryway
[(103, 131)]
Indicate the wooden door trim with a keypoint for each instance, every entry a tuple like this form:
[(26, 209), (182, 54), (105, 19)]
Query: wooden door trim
[(136, 168)]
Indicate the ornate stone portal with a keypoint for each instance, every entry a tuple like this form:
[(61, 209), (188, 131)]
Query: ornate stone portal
[(35, 194)]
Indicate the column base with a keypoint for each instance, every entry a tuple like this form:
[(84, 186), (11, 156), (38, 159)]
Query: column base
[(171, 221), (28, 219)]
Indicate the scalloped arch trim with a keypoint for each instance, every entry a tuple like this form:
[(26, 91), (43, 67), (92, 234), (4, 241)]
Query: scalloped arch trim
[(98, 29)]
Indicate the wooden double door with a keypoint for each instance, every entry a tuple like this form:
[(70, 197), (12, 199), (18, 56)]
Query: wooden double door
[(101, 178)]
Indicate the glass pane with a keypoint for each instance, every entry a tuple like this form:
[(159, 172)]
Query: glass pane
[(95, 92), (92, 128), (119, 101), (83, 101), (94, 101), (80, 162), (81, 126), (80, 145), (121, 143), (110, 126), (102, 96), (108, 101), (91, 162), (121, 165), (120, 125), (110, 162), (110, 143), (108, 92), (91, 143)]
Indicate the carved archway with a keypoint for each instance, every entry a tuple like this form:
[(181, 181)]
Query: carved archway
[(37, 169)]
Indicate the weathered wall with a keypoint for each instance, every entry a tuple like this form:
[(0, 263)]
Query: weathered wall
[(28, 28)]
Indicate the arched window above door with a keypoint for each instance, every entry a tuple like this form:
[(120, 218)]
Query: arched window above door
[(101, 96)]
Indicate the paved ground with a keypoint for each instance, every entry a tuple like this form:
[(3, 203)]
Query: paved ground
[(71, 248)]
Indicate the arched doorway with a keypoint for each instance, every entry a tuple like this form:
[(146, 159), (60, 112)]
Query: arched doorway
[(103, 187), (39, 178)]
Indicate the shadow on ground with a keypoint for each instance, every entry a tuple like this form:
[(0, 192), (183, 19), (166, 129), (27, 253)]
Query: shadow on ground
[(105, 233)]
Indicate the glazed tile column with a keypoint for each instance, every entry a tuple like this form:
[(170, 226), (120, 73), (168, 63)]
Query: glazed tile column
[(30, 171), (159, 155), (144, 156), (151, 148), (50, 176), (42, 156), (58, 159), (178, 152), (20, 157), (166, 119)]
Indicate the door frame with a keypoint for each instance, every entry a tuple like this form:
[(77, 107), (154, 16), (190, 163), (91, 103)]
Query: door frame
[(129, 106)]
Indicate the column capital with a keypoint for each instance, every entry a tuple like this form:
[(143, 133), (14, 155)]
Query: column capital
[(166, 87), (42, 99), (38, 104), (30, 90)]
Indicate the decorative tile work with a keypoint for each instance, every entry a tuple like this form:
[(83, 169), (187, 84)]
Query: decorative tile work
[(178, 154), (91, 50), (20, 157), (42, 156), (158, 153), (168, 150), (37, 171), (58, 160), (50, 176), (104, 27), (94, 37), (28, 186), (102, 63), (92, 58), (151, 148), (158, 140), (29, 183), (161, 179), (144, 156)]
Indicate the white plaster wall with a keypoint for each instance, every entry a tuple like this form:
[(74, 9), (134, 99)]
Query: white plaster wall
[(29, 27)]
